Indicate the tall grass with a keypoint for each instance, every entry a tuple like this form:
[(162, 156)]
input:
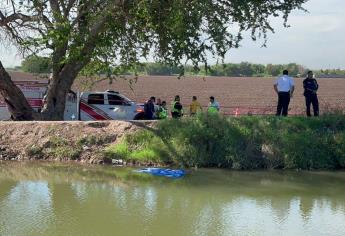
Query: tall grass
[(241, 143)]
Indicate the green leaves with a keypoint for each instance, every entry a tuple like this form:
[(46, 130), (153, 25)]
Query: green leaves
[(36, 64), (124, 32)]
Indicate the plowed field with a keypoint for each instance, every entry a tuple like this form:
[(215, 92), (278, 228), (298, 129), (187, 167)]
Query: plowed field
[(235, 95)]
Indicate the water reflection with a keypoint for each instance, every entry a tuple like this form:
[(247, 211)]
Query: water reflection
[(26, 201), (59, 200)]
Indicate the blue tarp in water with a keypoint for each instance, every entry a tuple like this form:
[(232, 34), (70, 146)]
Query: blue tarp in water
[(163, 172)]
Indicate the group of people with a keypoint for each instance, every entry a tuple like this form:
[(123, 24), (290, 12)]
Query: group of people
[(284, 86), (158, 110)]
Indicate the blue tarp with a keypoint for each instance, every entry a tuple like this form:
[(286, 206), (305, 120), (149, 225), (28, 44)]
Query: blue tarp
[(175, 174)]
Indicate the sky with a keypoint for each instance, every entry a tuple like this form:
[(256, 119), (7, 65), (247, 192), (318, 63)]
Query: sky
[(315, 39)]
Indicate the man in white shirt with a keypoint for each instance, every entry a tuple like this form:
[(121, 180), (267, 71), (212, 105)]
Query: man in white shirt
[(284, 87)]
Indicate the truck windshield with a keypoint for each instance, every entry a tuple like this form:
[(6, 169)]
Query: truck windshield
[(115, 100)]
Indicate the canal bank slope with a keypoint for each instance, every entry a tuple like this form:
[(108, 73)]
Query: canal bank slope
[(204, 141), (62, 141)]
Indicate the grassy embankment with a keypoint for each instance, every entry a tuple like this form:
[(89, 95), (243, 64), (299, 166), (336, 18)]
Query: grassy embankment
[(239, 143)]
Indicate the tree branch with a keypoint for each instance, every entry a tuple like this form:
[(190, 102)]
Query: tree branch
[(5, 20), (54, 4)]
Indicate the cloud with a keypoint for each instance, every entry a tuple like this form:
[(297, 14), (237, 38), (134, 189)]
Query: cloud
[(315, 39), (318, 23)]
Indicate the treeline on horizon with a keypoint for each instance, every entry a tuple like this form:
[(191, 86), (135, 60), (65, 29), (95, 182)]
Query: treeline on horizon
[(243, 69), (42, 65)]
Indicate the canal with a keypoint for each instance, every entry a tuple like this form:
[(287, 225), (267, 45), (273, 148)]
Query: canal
[(66, 199)]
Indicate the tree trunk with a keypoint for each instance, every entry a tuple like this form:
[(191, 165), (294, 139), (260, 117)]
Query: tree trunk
[(54, 102), (59, 86), (14, 98)]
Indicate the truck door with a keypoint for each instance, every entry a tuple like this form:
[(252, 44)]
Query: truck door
[(71, 107), (94, 108), (119, 108)]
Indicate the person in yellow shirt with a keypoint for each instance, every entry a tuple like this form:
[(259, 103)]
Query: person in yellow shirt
[(195, 106)]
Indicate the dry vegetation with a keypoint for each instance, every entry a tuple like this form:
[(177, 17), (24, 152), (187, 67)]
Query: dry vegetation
[(63, 141)]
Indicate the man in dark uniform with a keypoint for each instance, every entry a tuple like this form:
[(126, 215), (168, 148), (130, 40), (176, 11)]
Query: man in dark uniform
[(311, 86), (149, 108)]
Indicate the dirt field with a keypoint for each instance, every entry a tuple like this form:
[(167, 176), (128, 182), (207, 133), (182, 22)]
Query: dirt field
[(244, 95), (241, 95)]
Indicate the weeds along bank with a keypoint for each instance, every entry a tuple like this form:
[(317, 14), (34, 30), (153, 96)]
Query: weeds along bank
[(205, 141), (239, 143)]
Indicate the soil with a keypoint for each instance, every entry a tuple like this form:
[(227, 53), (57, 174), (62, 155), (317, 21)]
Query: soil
[(236, 95), (19, 140)]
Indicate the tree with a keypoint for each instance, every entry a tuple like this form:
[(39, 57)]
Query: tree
[(36, 64), (161, 69), (274, 70), (118, 33)]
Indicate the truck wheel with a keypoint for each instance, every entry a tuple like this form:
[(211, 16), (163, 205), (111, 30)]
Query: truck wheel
[(140, 116)]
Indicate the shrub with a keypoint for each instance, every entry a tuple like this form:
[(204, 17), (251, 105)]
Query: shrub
[(69, 153), (241, 143), (144, 155), (56, 141), (34, 151), (117, 151), (95, 140)]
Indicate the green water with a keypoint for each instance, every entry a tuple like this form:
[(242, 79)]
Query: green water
[(50, 199)]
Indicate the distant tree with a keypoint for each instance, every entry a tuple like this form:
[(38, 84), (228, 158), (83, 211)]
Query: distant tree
[(274, 70), (37, 64), (231, 69), (258, 70), (246, 69), (293, 69), (162, 69)]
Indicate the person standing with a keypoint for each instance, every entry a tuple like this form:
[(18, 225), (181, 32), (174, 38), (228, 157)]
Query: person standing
[(311, 86), (149, 108), (194, 107), (213, 106), (284, 86), (176, 108)]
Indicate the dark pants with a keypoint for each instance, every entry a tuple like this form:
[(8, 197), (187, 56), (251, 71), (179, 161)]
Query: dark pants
[(283, 103), (176, 115), (312, 99)]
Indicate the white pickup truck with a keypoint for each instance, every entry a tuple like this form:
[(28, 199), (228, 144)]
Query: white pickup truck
[(108, 105), (85, 106)]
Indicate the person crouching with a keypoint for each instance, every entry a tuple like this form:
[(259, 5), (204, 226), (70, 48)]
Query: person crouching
[(176, 108)]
